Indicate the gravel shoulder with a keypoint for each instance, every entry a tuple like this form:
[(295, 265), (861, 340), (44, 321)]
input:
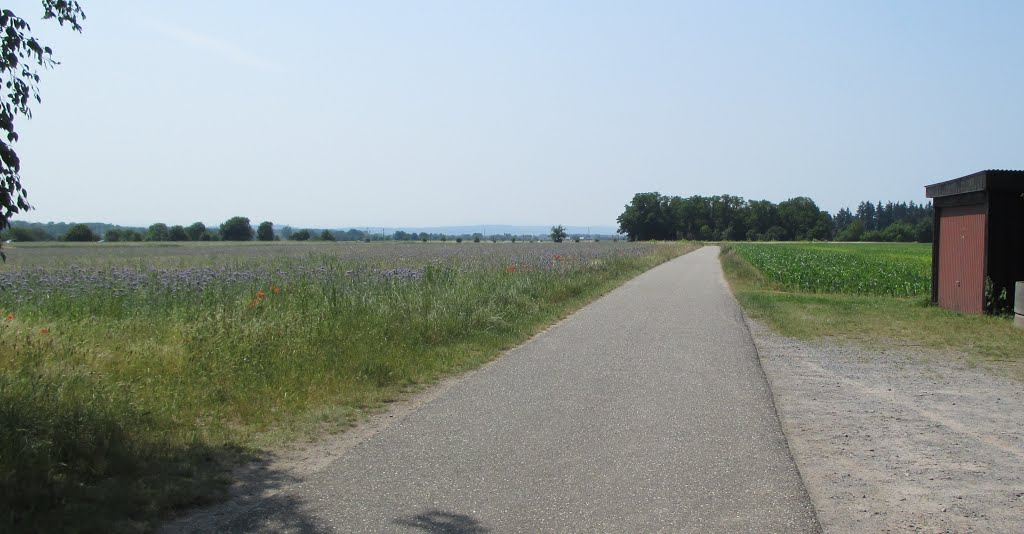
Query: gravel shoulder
[(903, 439)]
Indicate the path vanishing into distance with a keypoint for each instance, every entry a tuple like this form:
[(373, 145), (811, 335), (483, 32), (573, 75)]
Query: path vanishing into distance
[(645, 411)]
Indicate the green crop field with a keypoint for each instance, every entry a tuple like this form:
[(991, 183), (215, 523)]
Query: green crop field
[(876, 295), (132, 376), (893, 269)]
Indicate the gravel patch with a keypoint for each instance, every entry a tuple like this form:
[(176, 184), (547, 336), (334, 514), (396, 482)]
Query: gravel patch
[(903, 439)]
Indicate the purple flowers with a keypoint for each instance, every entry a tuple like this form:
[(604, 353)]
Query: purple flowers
[(245, 274)]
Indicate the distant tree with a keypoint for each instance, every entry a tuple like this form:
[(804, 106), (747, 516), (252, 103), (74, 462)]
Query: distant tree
[(80, 232), (158, 232), (866, 214), (558, 233), (775, 233), (883, 215), (842, 219), (18, 233), (648, 216), (925, 232), (326, 235), (195, 231), (21, 57), (802, 219), (678, 217), (177, 233), (301, 235), (761, 215), (853, 231), (899, 232), (113, 235), (265, 231), (705, 233), (477, 237), (872, 235), (236, 229), (286, 232), (122, 234)]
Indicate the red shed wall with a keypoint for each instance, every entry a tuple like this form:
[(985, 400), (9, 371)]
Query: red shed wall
[(962, 258)]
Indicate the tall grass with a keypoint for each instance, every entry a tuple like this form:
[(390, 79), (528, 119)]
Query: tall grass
[(126, 393)]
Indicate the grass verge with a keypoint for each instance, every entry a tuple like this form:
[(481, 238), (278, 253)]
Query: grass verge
[(875, 321)]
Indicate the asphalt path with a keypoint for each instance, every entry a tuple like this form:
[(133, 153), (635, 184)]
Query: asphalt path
[(645, 411)]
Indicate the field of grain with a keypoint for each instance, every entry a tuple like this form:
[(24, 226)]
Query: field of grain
[(131, 376), (875, 295), (890, 269)]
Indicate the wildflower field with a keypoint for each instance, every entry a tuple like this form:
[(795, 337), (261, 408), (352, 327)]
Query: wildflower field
[(132, 376), (889, 269)]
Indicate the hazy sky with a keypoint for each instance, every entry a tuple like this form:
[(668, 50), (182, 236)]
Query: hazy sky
[(422, 113)]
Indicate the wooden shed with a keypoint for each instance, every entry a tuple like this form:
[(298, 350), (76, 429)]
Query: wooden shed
[(978, 251)]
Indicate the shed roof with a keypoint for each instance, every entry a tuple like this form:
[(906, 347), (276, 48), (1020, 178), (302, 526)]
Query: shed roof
[(990, 180)]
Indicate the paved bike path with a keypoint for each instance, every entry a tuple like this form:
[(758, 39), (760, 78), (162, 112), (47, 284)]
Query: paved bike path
[(645, 411)]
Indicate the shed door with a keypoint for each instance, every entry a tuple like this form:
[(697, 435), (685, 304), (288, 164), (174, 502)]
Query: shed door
[(962, 258)]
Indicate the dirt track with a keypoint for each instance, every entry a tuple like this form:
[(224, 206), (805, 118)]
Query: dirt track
[(900, 440)]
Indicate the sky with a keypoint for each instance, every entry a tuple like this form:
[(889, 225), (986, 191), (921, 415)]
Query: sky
[(430, 113)]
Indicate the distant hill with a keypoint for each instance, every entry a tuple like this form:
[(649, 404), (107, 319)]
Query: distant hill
[(493, 229)]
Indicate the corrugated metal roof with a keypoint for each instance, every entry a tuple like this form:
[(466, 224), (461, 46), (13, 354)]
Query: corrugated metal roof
[(987, 180)]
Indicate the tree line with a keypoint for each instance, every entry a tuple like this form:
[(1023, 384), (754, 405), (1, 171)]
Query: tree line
[(731, 218), (236, 229), (892, 221)]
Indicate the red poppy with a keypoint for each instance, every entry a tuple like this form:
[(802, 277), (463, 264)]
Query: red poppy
[(510, 269), (260, 294), (10, 316), (276, 290), (45, 331)]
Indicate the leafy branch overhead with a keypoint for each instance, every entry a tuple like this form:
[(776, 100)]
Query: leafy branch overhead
[(22, 56)]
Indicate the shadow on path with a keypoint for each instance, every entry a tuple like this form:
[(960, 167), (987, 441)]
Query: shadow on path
[(257, 486), (438, 522)]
